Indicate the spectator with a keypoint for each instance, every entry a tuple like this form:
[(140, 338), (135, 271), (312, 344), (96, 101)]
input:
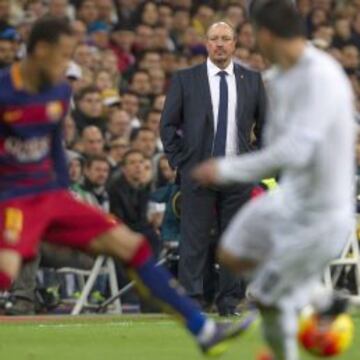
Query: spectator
[(109, 63), (235, 14), (149, 13), (5, 12), (181, 22), (36, 8), (316, 18), (122, 42), (242, 54), (144, 38), (117, 149), (324, 32), (246, 37), (104, 81), (79, 29), (87, 11), (99, 34), (58, 8), (96, 176), (130, 103), (106, 11), (118, 125), (83, 55), (129, 199), (140, 83), (92, 141), (350, 59), (144, 140), (150, 59), (162, 39), (165, 174), (204, 17), (166, 15), (88, 109), (343, 35), (152, 122), (126, 10)]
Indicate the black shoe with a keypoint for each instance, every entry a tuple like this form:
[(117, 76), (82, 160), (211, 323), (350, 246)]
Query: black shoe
[(229, 312), (18, 306), (224, 332), (228, 306)]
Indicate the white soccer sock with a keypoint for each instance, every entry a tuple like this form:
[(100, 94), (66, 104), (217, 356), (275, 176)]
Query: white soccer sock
[(207, 331), (280, 328)]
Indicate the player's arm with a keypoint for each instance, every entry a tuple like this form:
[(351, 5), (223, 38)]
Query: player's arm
[(311, 116)]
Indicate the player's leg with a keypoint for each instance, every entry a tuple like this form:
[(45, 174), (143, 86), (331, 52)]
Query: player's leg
[(246, 244), (280, 331), (10, 263), (82, 226), (152, 281), (156, 284), (247, 248), (21, 224)]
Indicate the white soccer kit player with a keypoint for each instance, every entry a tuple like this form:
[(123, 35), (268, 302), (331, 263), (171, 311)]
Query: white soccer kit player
[(309, 138)]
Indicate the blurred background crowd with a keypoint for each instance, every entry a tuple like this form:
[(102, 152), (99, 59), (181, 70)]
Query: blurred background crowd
[(126, 52)]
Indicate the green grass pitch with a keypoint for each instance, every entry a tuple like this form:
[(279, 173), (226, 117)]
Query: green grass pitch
[(120, 338)]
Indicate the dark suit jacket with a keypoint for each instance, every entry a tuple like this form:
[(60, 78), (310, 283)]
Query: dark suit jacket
[(129, 204), (187, 124)]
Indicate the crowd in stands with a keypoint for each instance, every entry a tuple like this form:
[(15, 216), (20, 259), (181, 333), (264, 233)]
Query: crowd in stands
[(125, 55)]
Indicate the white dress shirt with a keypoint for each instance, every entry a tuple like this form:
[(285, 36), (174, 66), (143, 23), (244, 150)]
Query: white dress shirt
[(214, 83)]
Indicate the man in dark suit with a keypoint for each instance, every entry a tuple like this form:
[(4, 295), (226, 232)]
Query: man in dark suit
[(211, 110)]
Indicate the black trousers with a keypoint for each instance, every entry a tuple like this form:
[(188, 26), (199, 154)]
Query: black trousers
[(205, 213)]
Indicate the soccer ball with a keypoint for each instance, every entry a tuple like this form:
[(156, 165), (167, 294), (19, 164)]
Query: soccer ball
[(325, 339)]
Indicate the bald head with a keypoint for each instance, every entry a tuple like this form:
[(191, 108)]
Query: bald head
[(220, 43), (220, 24), (92, 141)]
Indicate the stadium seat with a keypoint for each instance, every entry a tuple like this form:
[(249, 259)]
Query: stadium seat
[(348, 261), (102, 265)]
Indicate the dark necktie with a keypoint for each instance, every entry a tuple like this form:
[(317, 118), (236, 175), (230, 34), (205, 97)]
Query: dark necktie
[(221, 129)]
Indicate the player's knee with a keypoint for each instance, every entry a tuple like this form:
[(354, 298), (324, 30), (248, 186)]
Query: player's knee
[(10, 262), (120, 242)]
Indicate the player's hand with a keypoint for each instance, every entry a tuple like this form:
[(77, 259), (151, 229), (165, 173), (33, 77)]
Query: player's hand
[(206, 173)]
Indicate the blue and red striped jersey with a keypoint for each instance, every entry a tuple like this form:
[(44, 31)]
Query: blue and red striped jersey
[(32, 158)]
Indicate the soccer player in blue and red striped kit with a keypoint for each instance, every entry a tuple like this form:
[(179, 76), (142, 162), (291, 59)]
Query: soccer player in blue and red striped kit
[(34, 202)]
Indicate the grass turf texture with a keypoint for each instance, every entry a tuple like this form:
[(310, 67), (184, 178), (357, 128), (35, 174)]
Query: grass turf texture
[(118, 337)]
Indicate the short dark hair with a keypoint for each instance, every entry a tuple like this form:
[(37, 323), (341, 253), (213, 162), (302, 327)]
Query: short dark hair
[(129, 153), (91, 159), (48, 29), (280, 17), (152, 111), (91, 89), (136, 132)]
